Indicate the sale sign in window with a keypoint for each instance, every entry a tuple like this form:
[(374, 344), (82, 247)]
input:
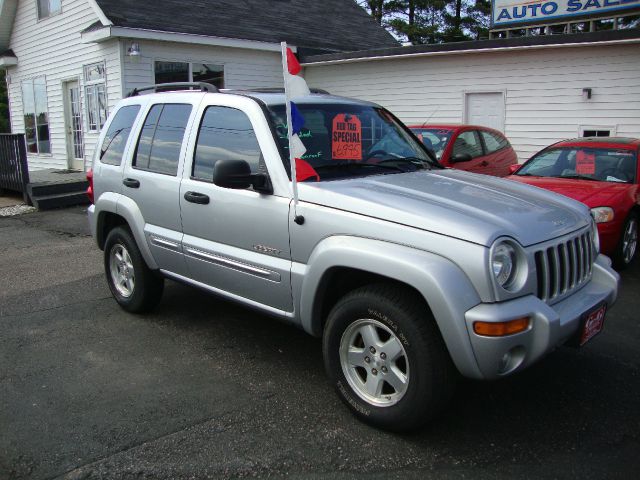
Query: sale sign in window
[(585, 163), (346, 137)]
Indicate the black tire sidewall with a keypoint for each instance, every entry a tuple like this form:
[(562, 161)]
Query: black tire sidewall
[(138, 301), (619, 261), (419, 402)]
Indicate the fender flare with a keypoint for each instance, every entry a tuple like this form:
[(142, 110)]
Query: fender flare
[(111, 202), (442, 284)]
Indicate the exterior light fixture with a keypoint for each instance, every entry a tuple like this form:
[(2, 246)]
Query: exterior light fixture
[(586, 94), (134, 50)]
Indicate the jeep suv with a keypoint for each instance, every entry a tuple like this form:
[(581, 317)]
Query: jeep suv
[(412, 274)]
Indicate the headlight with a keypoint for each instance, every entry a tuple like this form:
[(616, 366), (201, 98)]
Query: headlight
[(602, 214), (503, 264)]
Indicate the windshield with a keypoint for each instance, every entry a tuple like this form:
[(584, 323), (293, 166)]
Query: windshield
[(588, 163), (349, 140), (435, 139)]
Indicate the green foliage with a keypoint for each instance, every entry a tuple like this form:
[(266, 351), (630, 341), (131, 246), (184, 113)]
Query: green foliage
[(432, 21), (5, 126)]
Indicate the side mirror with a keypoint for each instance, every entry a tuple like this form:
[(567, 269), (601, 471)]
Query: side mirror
[(236, 174), (514, 168), (460, 157)]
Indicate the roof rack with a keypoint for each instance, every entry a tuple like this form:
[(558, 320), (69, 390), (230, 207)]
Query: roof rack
[(205, 87), (281, 90)]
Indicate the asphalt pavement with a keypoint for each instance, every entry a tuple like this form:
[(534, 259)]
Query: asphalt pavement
[(203, 388)]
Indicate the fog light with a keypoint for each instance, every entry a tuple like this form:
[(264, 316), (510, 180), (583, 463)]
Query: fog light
[(501, 329)]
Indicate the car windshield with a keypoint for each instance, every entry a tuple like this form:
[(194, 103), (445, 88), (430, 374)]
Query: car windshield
[(588, 163), (350, 140), (435, 139)]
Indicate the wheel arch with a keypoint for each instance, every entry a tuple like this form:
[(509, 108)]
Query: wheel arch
[(341, 264)]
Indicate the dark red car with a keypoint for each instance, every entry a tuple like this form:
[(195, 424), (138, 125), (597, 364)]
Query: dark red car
[(601, 172), (468, 147)]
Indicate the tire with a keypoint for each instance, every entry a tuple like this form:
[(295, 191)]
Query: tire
[(403, 393), (136, 288), (627, 249)]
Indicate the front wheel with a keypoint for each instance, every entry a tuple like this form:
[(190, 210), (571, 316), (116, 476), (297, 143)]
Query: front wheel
[(135, 287), (386, 358), (627, 248)]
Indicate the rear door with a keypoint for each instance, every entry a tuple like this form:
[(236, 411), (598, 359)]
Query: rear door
[(468, 142), (235, 241), (152, 178), (499, 153)]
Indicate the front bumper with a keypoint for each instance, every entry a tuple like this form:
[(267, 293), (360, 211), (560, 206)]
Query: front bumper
[(550, 326)]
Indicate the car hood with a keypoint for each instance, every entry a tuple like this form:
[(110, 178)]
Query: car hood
[(471, 207), (591, 193)]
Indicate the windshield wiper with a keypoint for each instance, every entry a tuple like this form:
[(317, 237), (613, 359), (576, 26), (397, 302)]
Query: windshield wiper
[(340, 166), (415, 161), (579, 177)]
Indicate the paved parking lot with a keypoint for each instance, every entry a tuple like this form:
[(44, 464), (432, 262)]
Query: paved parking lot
[(205, 389)]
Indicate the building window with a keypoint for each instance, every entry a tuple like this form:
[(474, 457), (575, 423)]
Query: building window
[(596, 133), (36, 117), (169, 72), (95, 94), (48, 8)]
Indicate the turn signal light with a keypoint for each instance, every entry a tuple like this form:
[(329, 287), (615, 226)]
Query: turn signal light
[(501, 329)]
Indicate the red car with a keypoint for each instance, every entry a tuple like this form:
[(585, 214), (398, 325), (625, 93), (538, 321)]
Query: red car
[(601, 172), (468, 147)]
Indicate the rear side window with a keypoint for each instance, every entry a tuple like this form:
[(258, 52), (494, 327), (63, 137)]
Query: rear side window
[(161, 138), (493, 141), (116, 138), (225, 134)]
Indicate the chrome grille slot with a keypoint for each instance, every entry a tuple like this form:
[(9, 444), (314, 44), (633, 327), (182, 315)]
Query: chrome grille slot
[(564, 266)]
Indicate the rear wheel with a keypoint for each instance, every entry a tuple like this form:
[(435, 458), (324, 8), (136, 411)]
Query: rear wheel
[(627, 249), (386, 358), (135, 287)]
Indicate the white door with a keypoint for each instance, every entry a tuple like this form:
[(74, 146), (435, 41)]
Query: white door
[(486, 109), (73, 124)]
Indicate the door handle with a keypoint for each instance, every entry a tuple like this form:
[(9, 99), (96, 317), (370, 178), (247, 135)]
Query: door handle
[(131, 183), (195, 197), (484, 163)]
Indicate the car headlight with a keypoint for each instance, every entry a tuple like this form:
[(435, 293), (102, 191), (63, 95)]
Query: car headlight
[(602, 214), (504, 264)]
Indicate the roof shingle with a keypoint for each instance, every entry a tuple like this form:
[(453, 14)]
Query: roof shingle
[(330, 25)]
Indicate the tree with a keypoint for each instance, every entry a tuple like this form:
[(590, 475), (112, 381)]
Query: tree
[(5, 126), (431, 21)]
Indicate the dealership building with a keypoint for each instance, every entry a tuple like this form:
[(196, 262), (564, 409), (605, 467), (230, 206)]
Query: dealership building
[(539, 80)]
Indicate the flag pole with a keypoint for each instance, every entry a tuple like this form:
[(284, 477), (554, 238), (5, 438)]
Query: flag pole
[(292, 160)]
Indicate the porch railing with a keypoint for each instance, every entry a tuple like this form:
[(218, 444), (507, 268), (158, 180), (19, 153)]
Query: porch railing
[(14, 172)]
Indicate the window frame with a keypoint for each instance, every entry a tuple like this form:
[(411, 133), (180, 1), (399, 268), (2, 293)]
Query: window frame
[(50, 14), (31, 81), (93, 85)]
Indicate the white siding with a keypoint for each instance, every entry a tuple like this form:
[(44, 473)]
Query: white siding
[(243, 69), (543, 89), (52, 47)]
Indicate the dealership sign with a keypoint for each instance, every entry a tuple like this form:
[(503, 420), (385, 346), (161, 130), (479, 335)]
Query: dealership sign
[(520, 12)]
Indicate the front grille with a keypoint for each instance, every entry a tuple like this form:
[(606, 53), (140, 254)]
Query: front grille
[(565, 266)]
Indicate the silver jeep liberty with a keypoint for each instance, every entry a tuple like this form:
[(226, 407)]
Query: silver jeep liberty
[(412, 274)]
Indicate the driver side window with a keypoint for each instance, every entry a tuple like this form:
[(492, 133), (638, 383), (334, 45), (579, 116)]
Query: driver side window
[(468, 142), (225, 134)]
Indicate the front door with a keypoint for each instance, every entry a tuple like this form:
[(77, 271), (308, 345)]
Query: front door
[(73, 123), (236, 241)]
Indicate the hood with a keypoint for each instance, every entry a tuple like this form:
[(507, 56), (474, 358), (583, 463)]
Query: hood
[(468, 206), (591, 193)]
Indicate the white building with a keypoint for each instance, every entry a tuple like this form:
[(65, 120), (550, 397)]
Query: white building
[(69, 61), (537, 89)]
